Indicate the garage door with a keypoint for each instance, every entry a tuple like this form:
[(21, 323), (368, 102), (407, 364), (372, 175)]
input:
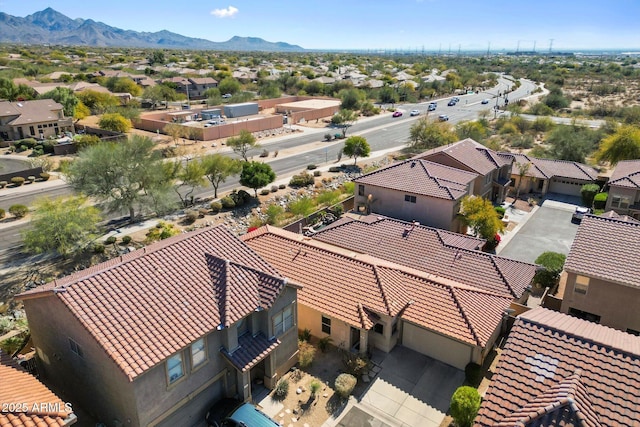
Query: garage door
[(565, 186), (193, 412), (437, 346)]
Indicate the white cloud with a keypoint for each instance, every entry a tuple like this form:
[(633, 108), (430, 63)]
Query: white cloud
[(225, 13)]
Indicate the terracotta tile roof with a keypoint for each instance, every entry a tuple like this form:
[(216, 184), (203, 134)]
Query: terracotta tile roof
[(345, 285), (30, 112), (147, 305), (547, 168), (626, 174), (552, 358), (434, 251), (250, 351), (616, 215), (18, 386), (421, 177), (470, 153), (603, 248), (203, 80)]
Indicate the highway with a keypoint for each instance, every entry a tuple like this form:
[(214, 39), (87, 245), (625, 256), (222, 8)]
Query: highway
[(381, 133)]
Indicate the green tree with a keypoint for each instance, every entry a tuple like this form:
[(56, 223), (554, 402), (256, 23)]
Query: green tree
[(160, 93), (425, 134), (98, 102), (123, 85), (81, 111), (125, 175), (573, 143), (12, 92), (624, 144), (115, 122), (523, 169), (588, 192), (217, 168), (229, 85), (243, 143), (465, 404), (157, 57), (188, 175), (387, 95), (479, 214), (553, 263), (351, 99), (175, 131), (345, 119), (213, 96), (474, 130), (61, 225), (64, 96), (256, 175), (356, 146)]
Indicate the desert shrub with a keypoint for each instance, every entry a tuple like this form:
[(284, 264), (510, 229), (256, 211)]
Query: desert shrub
[(274, 188), (282, 186), (305, 335), (311, 167), (323, 343), (328, 137), (265, 191), (500, 211), (344, 385), (301, 180), (227, 202), (328, 197), (317, 173), (17, 181), (98, 248), (522, 124), (161, 231), (306, 353), (465, 403), (31, 178), (110, 240), (273, 213), (348, 187), (588, 192), (600, 200), (508, 129), (541, 109), (302, 207), (314, 387), (282, 389), (335, 169), (473, 374), (355, 364), (19, 211), (240, 197), (191, 216), (3, 184), (2, 213), (45, 176), (553, 263), (337, 210), (126, 240), (542, 124), (522, 141), (216, 207)]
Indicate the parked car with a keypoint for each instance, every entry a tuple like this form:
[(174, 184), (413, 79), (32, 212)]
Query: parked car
[(221, 410), (245, 415), (443, 117), (485, 101), (226, 95), (451, 103), (415, 113), (397, 114), (432, 106), (579, 213)]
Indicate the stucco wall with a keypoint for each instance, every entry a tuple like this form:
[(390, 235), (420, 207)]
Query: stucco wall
[(617, 305), (309, 318), (439, 347), (94, 381), (632, 194)]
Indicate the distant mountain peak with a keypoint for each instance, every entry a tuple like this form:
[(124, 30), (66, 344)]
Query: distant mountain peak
[(53, 27)]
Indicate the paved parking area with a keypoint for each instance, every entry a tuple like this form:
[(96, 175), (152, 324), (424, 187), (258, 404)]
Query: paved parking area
[(411, 390), (549, 229)]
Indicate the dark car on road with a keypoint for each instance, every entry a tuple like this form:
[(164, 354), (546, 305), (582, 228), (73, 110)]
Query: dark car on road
[(432, 106), (397, 114), (451, 103), (485, 101)]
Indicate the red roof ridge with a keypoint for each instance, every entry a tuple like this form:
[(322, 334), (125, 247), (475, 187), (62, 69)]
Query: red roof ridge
[(382, 289), (465, 317)]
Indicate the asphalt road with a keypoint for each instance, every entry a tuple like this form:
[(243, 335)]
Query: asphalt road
[(381, 133)]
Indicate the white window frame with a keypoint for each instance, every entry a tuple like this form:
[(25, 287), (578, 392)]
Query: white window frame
[(325, 323), (170, 378), (197, 353)]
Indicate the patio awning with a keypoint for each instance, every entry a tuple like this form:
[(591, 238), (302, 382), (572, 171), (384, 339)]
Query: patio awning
[(251, 350)]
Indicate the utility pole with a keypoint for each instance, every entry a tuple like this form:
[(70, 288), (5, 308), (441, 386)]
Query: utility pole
[(534, 46), (550, 45), (518, 48), (489, 49)]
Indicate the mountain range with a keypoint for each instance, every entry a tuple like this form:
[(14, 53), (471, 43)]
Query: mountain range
[(52, 27)]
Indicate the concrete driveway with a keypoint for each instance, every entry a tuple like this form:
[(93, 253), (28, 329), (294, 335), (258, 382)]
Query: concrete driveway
[(411, 390), (548, 229)]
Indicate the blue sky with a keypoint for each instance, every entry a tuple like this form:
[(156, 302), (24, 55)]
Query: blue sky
[(373, 24)]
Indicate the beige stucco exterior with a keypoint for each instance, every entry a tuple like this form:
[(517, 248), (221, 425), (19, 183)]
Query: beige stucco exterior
[(439, 347), (632, 196), (616, 304)]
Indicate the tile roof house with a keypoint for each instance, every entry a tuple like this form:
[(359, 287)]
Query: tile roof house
[(493, 170), (624, 189), (549, 176), (602, 270), (40, 118), (198, 315), (443, 253), (415, 190), (363, 302), (27, 402), (560, 371)]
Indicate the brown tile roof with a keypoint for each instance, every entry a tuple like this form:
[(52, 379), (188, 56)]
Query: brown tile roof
[(421, 177), (544, 352), (434, 251), (30, 112), (547, 168), (147, 305), (616, 215), (20, 387), (626, 174), (250, 351), (203, 80), (606, 249), (470, 153), (351, 286)]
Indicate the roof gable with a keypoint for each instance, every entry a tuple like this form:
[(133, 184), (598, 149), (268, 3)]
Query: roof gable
[(144, 307), (626, 174), (470, 153), (548, 168)]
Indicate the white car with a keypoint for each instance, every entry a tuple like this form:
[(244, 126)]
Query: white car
[(414, 113)]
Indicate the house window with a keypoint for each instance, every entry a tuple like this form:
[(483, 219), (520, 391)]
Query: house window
[(75, 347), (32, 131), (198, 353), (283, 321), (584, 315), (175, 368), (487, 179), (326, 325), (409, 198), (360, 190), (378, 328), (582, 285), (619, 202)]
